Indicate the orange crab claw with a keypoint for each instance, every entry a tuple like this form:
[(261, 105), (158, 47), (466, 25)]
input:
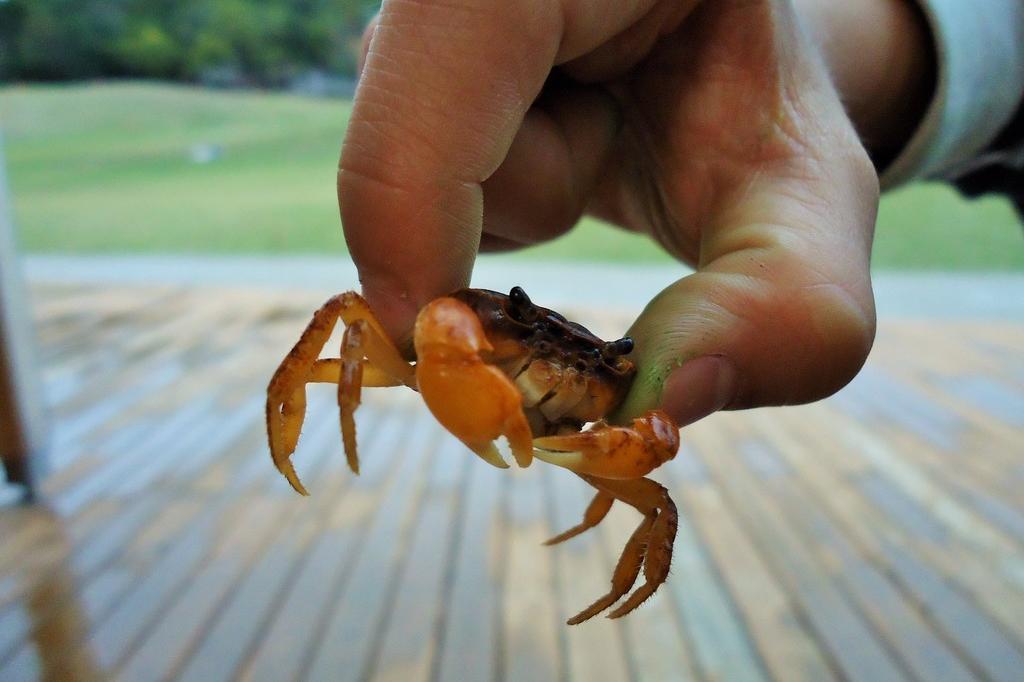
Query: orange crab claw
[(475, 401), (615, 452)]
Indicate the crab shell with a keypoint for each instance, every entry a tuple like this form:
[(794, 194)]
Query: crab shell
[(566, 374)]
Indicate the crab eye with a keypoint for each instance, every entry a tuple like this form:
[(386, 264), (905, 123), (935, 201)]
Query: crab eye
[(519, 296), (623, 346), (522, 307)]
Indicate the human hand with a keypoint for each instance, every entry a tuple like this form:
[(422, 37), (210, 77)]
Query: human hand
[(714, 127)]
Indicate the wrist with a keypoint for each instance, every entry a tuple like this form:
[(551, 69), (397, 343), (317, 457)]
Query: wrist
[(882, 61)]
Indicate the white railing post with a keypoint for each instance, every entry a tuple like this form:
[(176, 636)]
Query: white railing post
[(23, 424)]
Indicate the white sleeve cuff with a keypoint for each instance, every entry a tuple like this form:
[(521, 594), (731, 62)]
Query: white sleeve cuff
[(980, 78)]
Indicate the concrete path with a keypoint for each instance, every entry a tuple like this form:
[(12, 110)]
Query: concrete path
[(623, 287)]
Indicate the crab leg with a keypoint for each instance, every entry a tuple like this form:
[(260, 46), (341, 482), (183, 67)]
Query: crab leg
[(286, 400), (328, 371), (366, 360), (595, 513), (472, 399), (650, 546), (626, 571), (350, 384), (292, 414), (618, 452)]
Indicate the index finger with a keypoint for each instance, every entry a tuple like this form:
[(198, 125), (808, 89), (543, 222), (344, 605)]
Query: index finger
[(443, 92)]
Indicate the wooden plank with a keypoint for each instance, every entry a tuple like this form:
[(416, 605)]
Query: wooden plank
[(273, 621), (172, 417), (163, 437), (928, 371), (137, 557), (721, 644), (917, 543), (145, 384), (990, 396), (164, 640), (776, 625), (851, 643), (876, 396), (345, 645), (1007, 517), (909, 636), (93, 544), (900, 507), (52, 635), (192, 453), (964, 478), (472, 633), (112, 640), (955, 516), (52, 550), (531, 621), (991, 649), (582, 570), (658, 645), (407, 647), (245, 615), (986, 649), (980, 546), (201, 599)]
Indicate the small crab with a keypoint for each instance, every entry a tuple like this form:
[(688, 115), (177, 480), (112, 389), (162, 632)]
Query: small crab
[(490, 365)]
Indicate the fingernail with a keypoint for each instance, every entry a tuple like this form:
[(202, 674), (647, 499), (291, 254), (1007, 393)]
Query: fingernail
[(698, 388)]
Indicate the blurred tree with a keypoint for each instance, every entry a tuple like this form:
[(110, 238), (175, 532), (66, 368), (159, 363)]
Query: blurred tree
[(58, 39), (262, 41), (146, 49)]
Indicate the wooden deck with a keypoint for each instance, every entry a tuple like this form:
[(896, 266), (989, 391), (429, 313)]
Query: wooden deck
[(878, 535)]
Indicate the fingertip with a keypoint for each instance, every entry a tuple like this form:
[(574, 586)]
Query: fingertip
[(394, 307), (407, 253)]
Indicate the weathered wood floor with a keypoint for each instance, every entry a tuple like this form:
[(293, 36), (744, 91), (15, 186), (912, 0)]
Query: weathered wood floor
[(876, 536)]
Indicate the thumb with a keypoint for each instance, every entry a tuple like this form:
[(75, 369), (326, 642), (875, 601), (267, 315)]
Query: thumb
[(781, 312)]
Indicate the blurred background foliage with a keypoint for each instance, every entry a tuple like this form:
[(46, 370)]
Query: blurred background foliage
[(134, 154), (153, 167), (256, 42)]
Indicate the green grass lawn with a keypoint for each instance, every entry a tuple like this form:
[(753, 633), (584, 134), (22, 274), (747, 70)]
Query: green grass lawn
[(107, 168)]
